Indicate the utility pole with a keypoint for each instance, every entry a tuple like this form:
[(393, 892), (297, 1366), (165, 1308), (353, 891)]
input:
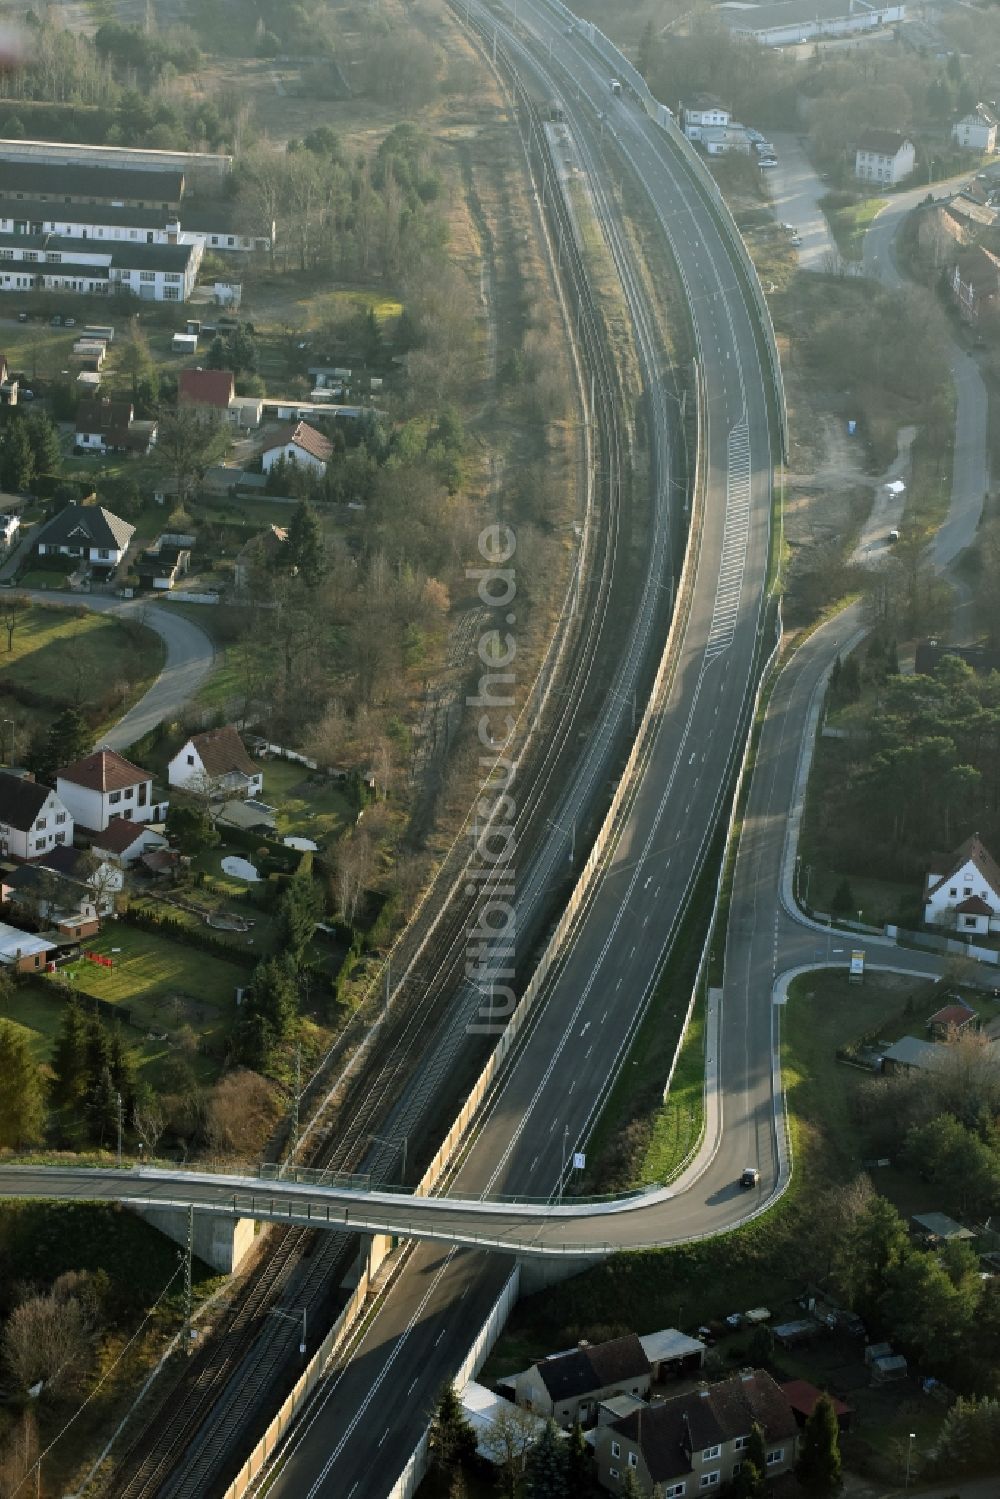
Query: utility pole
[(119, 1101), (189, 1256), (298, 1096), (388, 984), (562, 1173)]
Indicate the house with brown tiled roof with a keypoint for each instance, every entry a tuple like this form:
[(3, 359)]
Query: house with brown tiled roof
[(104, 786), (696, 1443), (942, 234), (962, 891), (952, 1019), (297, 442), (104, 425), (210, 388), (216, 763)]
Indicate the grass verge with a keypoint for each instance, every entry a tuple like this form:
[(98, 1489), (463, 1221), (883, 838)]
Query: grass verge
[(850, 221)]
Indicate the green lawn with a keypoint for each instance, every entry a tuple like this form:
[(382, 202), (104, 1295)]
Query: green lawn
[(67, 653), (165, 984), (316, 811), (848, 225)]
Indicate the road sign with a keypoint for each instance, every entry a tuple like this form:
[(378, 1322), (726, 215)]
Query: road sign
[(579, 1160), (857, 966)]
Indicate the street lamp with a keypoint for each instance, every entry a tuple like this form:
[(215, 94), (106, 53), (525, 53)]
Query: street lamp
[(293, 1317), (909, 1454), (5, 722)]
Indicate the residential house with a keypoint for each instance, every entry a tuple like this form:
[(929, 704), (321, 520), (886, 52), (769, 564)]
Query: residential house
[(952, 1019), (123, 843), (104, 786), (569, 1386), (975, 283), (105, 425), (703, 111), (976, 131), (66, 904), (803, 1398), (211, 389), (966, 895), (298, 443), (696, 1442), (23, 951), (216, 761), (246, 412), (33, 819), (89, 532), (52, 262), (910, 1054), (103, 876), (259, 552), (883, 157), (207, 227)]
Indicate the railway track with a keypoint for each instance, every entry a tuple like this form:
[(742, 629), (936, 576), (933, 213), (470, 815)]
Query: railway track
[(220, 1391)]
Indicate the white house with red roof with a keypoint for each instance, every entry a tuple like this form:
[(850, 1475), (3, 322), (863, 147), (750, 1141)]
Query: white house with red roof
[(216, 762), (123, 843), (104, 787), (298, 443), (966, 895)]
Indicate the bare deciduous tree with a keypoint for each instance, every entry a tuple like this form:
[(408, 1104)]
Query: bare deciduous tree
[(50, 1338), (241, 1111)]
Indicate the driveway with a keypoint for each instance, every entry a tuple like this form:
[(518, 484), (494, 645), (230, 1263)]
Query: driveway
[(190, 656), (795, 194)]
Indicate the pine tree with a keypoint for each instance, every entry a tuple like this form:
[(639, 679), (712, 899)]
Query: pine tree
[(452, 1439), (304, 547), (22, 1105), (630, 1488), (69, 1060), (297, 915), (818, 1467), (545, 1474), (577, 1460), (17, 461), (749, 1482), (44, 439), (68, 739), (756, 1448)]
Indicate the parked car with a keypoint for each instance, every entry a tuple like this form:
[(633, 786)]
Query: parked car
[(56, 321), (749, 1177), (27, 395), (69, 322), (766, 162), (22, 317), (763, 147)]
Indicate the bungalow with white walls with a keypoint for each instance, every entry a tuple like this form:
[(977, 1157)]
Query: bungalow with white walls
[(966, 895), (216, 762)]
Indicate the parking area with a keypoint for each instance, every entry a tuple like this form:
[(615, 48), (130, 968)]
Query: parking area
[(795, 190)]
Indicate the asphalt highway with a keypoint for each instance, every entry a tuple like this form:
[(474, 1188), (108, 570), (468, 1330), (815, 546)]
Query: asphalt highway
[(575, 1046)]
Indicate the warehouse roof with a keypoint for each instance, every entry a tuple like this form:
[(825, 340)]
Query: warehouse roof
[(75, 182)]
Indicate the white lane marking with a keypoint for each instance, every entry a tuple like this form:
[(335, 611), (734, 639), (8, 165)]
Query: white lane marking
[(735, 541)]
